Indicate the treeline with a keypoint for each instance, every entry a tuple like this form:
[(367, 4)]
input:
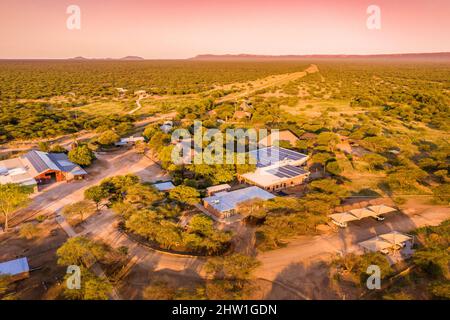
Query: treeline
[(42, 120), (43, 79)]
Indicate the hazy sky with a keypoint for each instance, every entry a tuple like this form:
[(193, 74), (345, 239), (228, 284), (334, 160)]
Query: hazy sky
[(185, 28)]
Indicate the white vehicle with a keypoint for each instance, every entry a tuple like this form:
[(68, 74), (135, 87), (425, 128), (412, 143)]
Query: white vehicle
[(340, 224)]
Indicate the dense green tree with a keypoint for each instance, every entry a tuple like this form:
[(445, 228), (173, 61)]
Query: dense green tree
[(108, 138), (81, 251), (96, 194), (235, 266), (333, 168), (253, 209), (57, 148), (79, 209), (374, 160), (184, 194), (81, 155), (92, 288), (12, 198)]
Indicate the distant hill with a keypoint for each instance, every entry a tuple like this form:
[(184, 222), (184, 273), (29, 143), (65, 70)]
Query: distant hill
[(132, 58), (403, 56), (127, 58), (78, 58)]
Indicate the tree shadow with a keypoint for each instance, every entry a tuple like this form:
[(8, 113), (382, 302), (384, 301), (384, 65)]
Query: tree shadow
[(301, 281)]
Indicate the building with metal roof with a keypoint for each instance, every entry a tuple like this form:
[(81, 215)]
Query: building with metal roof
[(18, 269), (129, 141), (45, 166), (274, 155), (276, 168), (15, 171), (223, 204), (37, 167), (164, 186), (218, 188)]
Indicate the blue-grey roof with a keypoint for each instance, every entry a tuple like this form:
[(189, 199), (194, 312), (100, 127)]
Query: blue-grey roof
[(39, 161), (14, 267), (64, 164), (164, 186), (226, 201), (43, 161), (272, 155), (287, 171)]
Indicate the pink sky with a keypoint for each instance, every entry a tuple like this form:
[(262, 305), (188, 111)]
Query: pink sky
[(185, 28)]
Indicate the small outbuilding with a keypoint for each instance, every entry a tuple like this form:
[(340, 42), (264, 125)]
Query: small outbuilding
[(223, 204), (17, 269), (219, 188), (164, 186)]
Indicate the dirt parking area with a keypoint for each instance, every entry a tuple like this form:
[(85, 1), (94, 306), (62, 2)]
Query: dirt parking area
[(41, 255)]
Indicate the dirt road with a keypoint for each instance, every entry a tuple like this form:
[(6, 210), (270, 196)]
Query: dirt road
[(269, 82), (277, 264), (57, 195)]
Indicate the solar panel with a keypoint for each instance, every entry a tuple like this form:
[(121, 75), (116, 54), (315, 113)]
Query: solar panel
[(271, 155), (287, 171)]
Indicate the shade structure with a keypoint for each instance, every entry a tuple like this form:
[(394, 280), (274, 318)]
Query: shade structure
[(381, 209), (375, 244), (362, 213), (395, 237), (343, 217)]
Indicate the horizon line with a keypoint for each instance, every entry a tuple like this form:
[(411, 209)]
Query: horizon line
[(237, 55)]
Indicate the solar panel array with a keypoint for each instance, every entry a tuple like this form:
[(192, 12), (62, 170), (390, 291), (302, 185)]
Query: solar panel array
[(272, 155), (286, 171)]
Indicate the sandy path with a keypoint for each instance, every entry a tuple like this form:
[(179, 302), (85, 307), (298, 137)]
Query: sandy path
[(269, 82)]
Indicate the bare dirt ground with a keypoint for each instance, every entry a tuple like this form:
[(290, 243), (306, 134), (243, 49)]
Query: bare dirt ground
[(300, 264), (40, 251)]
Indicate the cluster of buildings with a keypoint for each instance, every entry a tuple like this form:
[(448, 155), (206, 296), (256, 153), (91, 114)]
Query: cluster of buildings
[(36, 168), (276, 169)]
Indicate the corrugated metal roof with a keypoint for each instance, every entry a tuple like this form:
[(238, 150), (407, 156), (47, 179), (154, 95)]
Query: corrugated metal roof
[(35, 159), (43, 161), (14, 267), (226, 201)]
